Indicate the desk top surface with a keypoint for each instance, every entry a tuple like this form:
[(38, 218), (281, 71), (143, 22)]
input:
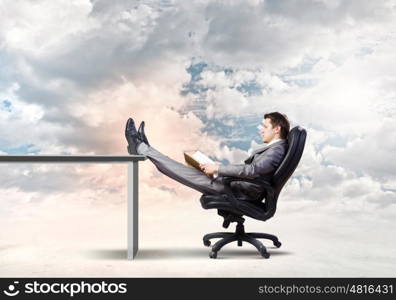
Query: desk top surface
[(72, 158)]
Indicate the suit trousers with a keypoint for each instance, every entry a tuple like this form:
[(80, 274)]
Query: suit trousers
[(184, 174)]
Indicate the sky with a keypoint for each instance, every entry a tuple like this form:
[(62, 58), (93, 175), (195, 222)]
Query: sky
[(201, 74)]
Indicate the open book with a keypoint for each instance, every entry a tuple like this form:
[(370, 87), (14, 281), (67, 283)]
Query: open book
[(195, 157)]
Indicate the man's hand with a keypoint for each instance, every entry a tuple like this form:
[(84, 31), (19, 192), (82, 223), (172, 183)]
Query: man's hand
[(210, 169)]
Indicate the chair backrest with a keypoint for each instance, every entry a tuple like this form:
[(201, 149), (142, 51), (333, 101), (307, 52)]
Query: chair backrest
[(296, 142), (266, 209)]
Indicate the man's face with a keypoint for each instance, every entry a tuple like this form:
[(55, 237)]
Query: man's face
[(268, 133)]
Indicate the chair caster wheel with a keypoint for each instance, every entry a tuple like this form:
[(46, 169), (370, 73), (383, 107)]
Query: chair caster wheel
[(206, 243), (213, 254), (277, 244), (264, 253)]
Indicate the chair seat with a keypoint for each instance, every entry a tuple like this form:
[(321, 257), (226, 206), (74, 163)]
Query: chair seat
[(222, 202)]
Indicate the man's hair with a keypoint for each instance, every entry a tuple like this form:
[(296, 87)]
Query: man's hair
[(281, 120)]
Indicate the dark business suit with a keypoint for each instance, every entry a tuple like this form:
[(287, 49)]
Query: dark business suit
[(261, 164)]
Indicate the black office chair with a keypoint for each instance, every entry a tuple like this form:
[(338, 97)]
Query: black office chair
[(232, 208)]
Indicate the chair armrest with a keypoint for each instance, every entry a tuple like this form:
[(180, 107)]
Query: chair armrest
[(264, 184), (248, 207)]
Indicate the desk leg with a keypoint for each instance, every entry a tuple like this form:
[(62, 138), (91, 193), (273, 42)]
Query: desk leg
[(133, 211)]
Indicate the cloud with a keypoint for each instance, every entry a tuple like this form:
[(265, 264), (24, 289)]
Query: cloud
[(371, 154), (201, 74)]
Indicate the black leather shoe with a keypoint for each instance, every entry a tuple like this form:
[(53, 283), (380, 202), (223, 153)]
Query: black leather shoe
[(142, 134), (132, 137)]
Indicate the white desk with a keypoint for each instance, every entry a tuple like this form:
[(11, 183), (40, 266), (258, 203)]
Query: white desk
[(132, 184)]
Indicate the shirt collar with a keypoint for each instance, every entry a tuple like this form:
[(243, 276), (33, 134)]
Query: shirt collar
[(274, 141)]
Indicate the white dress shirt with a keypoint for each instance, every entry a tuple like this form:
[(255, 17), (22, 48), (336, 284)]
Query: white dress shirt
[(274, 141)]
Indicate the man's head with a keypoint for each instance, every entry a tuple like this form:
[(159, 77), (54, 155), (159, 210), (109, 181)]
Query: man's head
[(275, 126)]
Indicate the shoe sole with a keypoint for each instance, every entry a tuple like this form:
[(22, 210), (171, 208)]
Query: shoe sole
[(131, 152)]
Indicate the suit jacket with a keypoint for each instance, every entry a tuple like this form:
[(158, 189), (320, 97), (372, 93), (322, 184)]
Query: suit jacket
[(261, 164)]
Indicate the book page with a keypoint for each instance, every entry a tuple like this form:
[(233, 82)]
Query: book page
[(202, 158)]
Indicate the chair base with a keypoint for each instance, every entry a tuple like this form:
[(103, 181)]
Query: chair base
[(239, 236)]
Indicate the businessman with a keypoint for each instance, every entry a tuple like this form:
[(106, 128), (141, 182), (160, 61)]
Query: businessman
[(261, 164)]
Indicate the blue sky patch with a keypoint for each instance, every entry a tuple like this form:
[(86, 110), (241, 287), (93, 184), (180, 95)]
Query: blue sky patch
[(250, 88), (193, 86), (239, 132), (23, 149), (6, 105)]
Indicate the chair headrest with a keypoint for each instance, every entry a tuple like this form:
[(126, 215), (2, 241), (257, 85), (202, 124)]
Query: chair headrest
[(296, 142)]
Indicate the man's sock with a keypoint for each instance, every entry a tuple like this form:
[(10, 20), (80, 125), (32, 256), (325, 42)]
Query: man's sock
[(142, 148)]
